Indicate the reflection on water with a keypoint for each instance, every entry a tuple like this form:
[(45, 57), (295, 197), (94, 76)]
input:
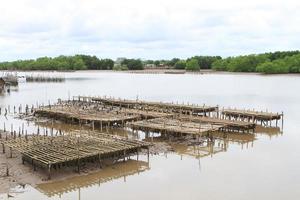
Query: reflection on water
[(117, 171), (270, 131)]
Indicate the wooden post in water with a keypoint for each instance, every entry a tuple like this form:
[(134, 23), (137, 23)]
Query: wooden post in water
[(49, 172), (282, 121)]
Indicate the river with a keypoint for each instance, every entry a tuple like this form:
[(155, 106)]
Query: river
[(267, 167)]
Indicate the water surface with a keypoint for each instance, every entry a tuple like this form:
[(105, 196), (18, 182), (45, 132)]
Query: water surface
[(264, 167)]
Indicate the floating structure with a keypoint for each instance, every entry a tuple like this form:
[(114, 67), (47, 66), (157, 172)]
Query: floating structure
[(265, 118), (120, 170), (56, 151)]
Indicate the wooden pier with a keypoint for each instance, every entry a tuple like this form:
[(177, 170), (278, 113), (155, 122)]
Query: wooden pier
[(55, 151)]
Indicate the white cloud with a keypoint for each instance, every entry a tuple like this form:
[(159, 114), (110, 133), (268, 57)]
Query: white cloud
[(146, 29)]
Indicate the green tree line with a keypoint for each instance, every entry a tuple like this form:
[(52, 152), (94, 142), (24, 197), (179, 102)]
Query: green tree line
[(271, 63), (77, 62)]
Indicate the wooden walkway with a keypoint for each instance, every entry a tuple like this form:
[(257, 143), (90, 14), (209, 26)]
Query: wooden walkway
[(49, 152)]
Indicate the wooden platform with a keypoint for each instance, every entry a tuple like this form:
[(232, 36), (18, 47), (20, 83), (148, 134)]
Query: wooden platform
[(154, 106), (227, 125), (81, 114), (167, 125), (263, 117), (49, 152), (96, 114)]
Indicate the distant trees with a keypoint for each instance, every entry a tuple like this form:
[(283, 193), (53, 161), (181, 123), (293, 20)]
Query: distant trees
[(77, 62), (271, 62), (277, 62), (133, 64), (157, 62), (181, 64), (192, 65), (205, 62), (172, 62), (92, 62), (288, 64)]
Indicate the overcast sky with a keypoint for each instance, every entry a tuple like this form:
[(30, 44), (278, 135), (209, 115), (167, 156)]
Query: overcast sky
[(152, 29)]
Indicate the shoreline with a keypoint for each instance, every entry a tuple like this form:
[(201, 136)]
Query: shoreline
[(155, 71)]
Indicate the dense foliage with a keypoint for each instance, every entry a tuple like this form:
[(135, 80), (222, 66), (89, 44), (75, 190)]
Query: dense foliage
[(205, 62), (277, 62), (288, 64), (133, 64), (181, 64), (77, 62), (192, 65), (92, 62)]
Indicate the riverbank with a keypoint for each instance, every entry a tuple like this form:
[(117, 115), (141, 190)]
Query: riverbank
[(151, 71)]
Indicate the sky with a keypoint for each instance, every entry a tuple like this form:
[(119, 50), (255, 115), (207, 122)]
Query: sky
[(153, 29)]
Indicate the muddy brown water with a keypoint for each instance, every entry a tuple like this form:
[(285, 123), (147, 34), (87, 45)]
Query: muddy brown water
[(263, 166)]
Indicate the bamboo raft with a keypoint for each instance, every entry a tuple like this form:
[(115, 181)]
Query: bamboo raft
[(263, 117), (120, 170), (52, 152), (154, 106)]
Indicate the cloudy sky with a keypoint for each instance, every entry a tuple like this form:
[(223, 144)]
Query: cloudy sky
[(152, 29)]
